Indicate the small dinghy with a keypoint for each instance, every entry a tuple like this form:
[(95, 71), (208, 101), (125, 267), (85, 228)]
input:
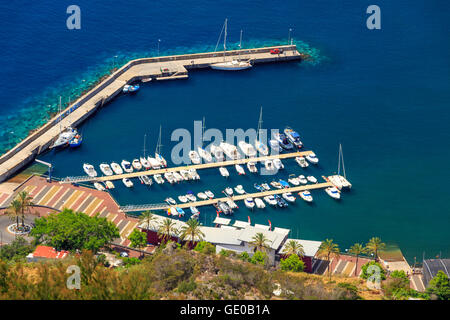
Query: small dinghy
[(251, 166), (127, 182), (311, 179), (106, 169), (183, 199), (288, 197), (270, 200), (109, 185), (301, 162), (249, 203), (180, 212), (158, 179), (130, 88), (137, 165), (281, 203), (126, 165), (116, 168), (276, 184), (209, 194), (258, 187), (306, 195), (89, 169), (147, 181), (224, 172), (293, 180), (99, 186), (302, 179), (228, 191), (190, 196), (239, 189), (278, 164), (333, 192), (240, 170), (202, 196), (265, 186), (312, 158), (259, 203), (194, 210), (170, 201)]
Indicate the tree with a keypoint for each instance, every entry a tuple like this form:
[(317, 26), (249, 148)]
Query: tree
[(328, 249), (259, 242), (18, 249), (167, 229), (293, 247), (14, 211), (192, 231), (205, 247), (365, 273), (71, 230), (138, 239), (375, 246), (25, 202), (439, 286), (357, 249), (259, 257), (148, 218), (292, 263)]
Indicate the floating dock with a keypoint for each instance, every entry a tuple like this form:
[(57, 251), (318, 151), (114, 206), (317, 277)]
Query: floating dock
[(158, 68), (173, 169)]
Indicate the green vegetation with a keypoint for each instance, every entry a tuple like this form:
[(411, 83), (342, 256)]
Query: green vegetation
[(191, 231), (260, 257), (259, 242), (148, 218), (357, 249), (14, 211), (328, 249), (166, 229), (365, 274), (16, 250), (25, 201), (205, 247), (375, 246), (293, 247), (71, 230), (292, 263), (439, 287), (138, 239)]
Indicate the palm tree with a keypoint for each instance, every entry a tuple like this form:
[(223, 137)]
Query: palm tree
[(357, 249), (25, 202), (192, 231), (293, 247), (167, 229), (15, 211), (328, 249), (374, 246), (147, 217), (260, 242)]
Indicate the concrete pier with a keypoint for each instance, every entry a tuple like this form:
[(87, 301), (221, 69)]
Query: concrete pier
[(159, 68)]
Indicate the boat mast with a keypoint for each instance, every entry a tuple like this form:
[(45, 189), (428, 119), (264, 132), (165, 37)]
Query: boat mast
[(342, 157), (260, 124), (203, 131), (159, 145), (60, 115), (225, 40), (240, 47), (145, 137)]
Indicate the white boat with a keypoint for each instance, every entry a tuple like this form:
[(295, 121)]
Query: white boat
[(183, 199), (137, 165), (144, 80), (185, 174), (265, 186), (191, 197), (333, 192), (239, 189), (311, 179), (312, 158), (66, 135), (259, 203), (147, 181), (155, 164), (99, 186), (158, 156), (247, 149), (251, 166), (193, 173), (127, 182), (306, 195), (195, 158), (276, 184), (217, 152), (293, 180), (230, 151), (261, 147), (278, 164), (116, 168), (235, 64), (202, 196), (224, 172), (89, 169), (240, 170), (172, 211), (302, 179), (338, 180), (301, 162), (106, 169), (126, 165), (275, 146), (270, 200), (145, 163), (109, 185), (204, 154), (169, 177), (268, 164), (249, 203), (170, 201), (178, 177), (293, 137), (209, 194), (194, 210), (288, 197), (158, 179), (232, 204), (229, 191)]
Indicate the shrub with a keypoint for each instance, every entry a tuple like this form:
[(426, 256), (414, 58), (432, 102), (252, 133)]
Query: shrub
[(205, 247), (350, 291), (259, 258), (18, 249), (187, 286), (292, 263), (365, 274), (244, 256), (127, 262), (439, 286)]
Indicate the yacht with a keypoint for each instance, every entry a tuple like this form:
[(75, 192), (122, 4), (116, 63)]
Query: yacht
[(306, 195), (229, 191), (270, 200), (202, 196), (283, 141), (193, 173), (209, 194), (278, 164), (302, 179), (147, 181), (217, 153), (288, 197), (155, 164), (258, 187), (130, 88), (106, 169), (280, 201), (194, 210), (232, 204), (338, 180), (204, 154), (158, 179), (170, 201), (311, 179), (265, 186), (312, 158), (191, 197), (99, 186), (275, 146), (137, 165), (240, 170), (178, 177), (185, 175), (233, 65), (145, 163), (283, 183), (224, 172), (276, 184), (223, 207), (259, 203), (158, 156), (109, 185), (230, 151), (66, 135), (169, 177), (268, 164), (183, 199), (261, 147), (251, 166), (301, 162), (249, 203), (89, 169), (333, 192), (239, 189), (247, 149), (127, 182), (116, 168), (293, 137), (195, 158), (293, 180), (126, 165)]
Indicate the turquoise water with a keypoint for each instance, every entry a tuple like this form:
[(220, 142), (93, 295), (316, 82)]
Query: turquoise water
[(382, 94)]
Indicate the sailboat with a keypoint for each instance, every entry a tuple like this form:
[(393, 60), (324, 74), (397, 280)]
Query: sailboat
[(143, 159), (340, 181), (232, 65), (261, 147), (202, 152), (158, 155), (66, 135)]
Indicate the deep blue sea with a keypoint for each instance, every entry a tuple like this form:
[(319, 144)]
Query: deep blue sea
[(384, 94)]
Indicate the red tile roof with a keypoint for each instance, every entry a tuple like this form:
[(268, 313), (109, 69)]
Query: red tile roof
[(49, 253)]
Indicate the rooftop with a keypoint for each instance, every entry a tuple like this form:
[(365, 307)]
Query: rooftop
[(309, 246), (49, 253)]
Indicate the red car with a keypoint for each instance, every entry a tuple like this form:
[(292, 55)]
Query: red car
[(276, 51)]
